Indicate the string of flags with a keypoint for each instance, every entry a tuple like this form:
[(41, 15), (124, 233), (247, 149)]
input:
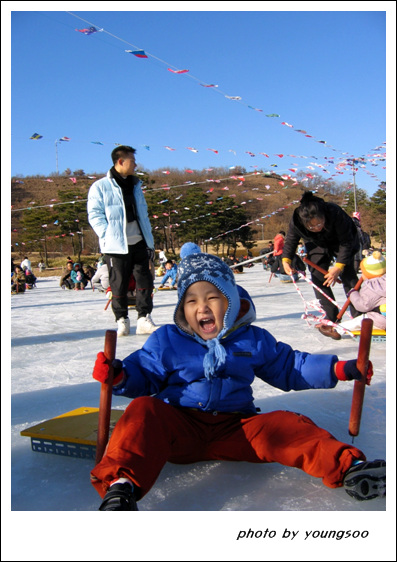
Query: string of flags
[(342, 164), (346, 165), (176, 225), (142, 54)]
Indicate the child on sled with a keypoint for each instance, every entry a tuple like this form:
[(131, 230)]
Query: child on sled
[(193, 400)]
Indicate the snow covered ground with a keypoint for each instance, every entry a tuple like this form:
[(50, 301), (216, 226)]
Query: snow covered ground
[(55, 336)]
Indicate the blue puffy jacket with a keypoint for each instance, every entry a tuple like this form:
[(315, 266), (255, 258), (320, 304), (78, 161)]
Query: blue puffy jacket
[(170, 367), (170, 274), (107, 215)]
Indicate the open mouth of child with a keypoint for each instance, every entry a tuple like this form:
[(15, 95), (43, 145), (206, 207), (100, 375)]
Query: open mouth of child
[(207, 325)]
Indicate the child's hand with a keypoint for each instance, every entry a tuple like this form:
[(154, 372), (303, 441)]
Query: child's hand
[(101, 369), (347, 371)]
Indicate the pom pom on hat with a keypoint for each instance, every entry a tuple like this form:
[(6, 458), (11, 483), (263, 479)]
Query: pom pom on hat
[(189, 248), (373, 265)]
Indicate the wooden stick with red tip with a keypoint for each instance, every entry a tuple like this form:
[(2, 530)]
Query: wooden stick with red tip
[(105, 399), (359, 385), (344, 307), (320, 269)]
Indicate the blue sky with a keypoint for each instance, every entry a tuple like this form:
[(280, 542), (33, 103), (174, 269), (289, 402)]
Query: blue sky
[(323, 72)]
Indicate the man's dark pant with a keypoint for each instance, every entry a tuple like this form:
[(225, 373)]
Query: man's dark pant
[(121, 267), (322, 258)]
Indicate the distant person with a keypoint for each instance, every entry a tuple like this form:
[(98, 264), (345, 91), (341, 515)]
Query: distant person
[(268, 258), (18, 281), (117, 211), (301, 251), (279, 243), (66, 281), (162, 257), (26, 264), (41, 266), (100, 280), (278, 270), (78, 277), (327, 232), (89, 271), (171, 274), (30, 279)]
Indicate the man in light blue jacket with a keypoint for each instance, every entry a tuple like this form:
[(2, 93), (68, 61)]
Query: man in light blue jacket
[(117, 211)]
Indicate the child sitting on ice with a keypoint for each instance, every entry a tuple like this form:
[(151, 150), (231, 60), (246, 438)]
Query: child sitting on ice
[(191, 384), (30, 279), (170, 274), (78, 277), (18, 280), (370, 299)]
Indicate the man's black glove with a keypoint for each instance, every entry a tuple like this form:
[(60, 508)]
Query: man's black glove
[(151, 254)]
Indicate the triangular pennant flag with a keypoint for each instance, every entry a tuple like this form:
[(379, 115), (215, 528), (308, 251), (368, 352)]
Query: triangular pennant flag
[(140, 54)]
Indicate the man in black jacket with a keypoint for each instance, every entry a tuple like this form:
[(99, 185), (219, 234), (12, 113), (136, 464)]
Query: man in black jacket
[(328, 233)]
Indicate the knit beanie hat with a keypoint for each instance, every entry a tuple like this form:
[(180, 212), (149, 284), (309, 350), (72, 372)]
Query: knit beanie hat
[(196, 267), (373, 265), (189, 248)]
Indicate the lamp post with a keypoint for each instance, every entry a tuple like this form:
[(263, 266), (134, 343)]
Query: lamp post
[(56, 156), (354, 187), (354, 162)]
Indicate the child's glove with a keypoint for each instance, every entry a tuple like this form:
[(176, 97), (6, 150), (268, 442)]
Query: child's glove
[(347, 371), (101, 369)]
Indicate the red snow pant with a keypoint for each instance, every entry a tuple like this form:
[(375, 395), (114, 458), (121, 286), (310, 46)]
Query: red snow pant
[(151, 433)]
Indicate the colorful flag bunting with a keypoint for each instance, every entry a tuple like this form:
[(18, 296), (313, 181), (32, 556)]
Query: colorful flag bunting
[(36, 136), (272, 115), (177, 71), (140, 54), (64, 139), (97, 142), (89, 30)]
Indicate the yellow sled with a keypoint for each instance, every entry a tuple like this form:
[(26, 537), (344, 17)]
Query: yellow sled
[(73, 434), (377, 335)]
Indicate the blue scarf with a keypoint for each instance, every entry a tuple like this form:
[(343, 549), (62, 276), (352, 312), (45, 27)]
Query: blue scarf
[(215, 356)]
